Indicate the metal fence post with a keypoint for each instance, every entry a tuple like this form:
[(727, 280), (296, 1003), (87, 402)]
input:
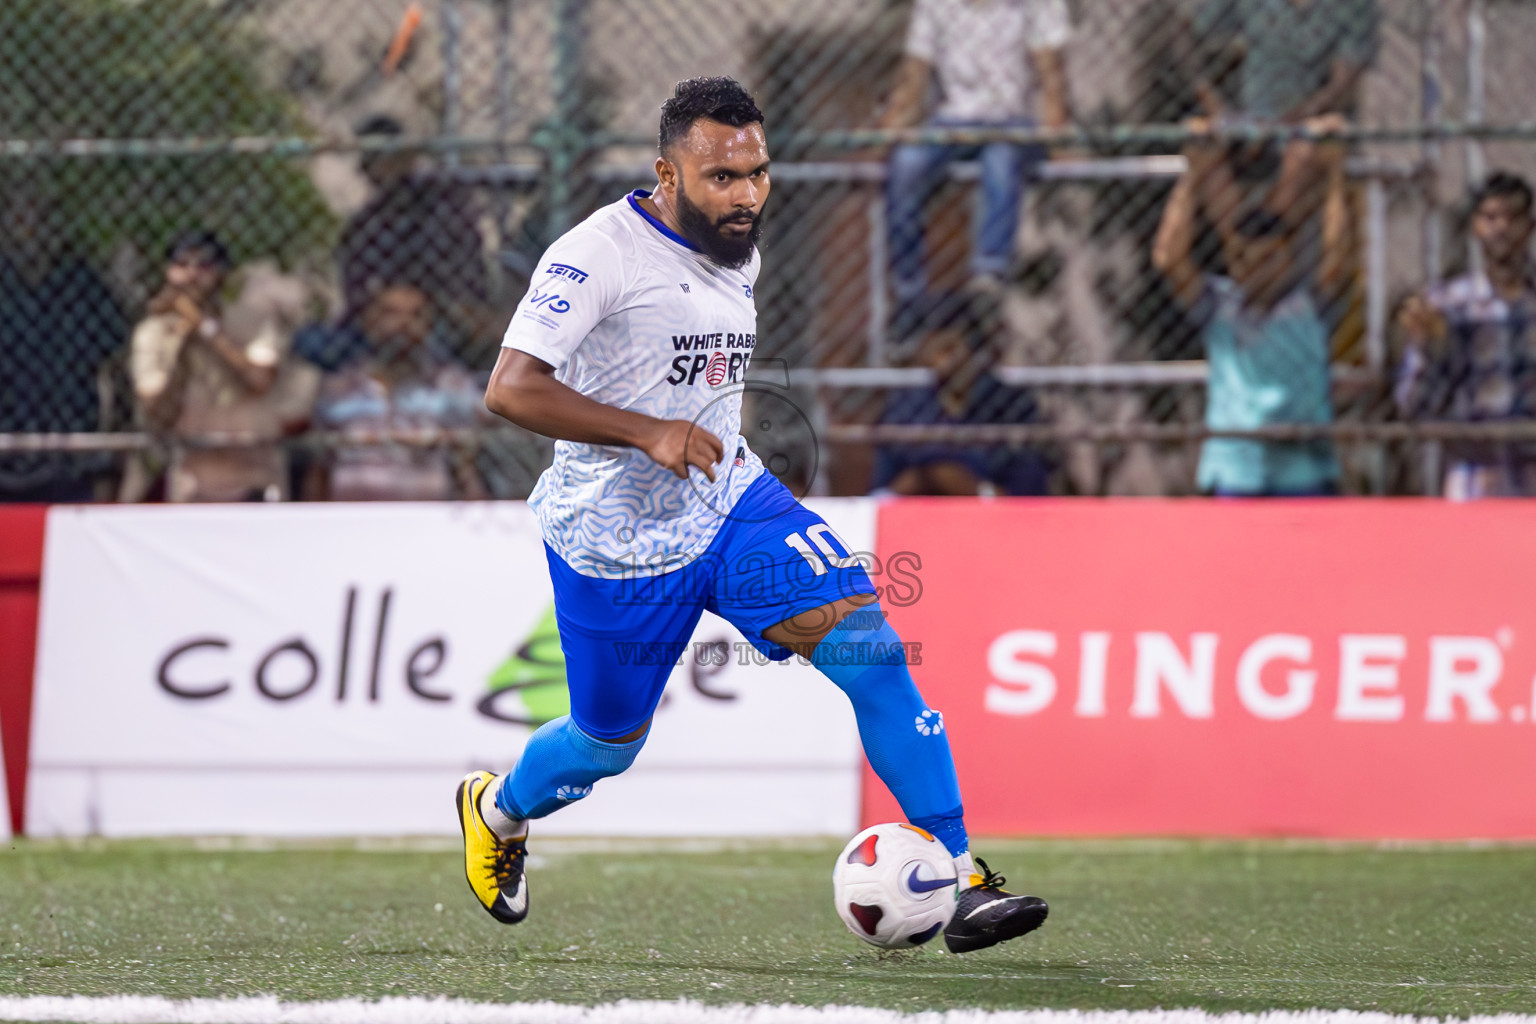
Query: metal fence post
[(1477, 54), (453, 76), (503, 75), (1432, 97), (565, 81), (1431, 103), (1376, 274), (879, 304)]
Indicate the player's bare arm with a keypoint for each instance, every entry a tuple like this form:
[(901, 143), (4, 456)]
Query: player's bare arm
[(523, 389)]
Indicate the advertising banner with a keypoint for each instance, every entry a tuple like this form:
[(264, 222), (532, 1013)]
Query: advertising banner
[(5, 804), (21, 567), (1320, 668), (334, 669)]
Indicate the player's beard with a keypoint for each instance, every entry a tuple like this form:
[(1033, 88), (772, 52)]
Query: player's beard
[(706, 235)]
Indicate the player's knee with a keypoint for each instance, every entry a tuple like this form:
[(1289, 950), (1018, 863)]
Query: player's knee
[(802, 633), (864, 614), (610, 757), (861, 642)]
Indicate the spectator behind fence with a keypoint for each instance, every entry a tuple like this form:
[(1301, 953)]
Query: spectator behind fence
[(1470, 347), (1266, 340), (58, 323), (421, 229), (332, 347), (202, 372), (1300, 59), (991, 59), (402, 384), (954, 339)]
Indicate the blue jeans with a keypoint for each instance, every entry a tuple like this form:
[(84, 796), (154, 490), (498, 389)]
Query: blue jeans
[(915, 174)]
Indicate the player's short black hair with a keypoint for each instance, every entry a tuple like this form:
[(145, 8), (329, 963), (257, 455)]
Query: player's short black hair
[(1260, 224), (1503, 185), (198, 240), (706, 99)]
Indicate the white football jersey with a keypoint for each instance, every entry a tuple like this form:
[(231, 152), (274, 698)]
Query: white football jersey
[(632, 316)]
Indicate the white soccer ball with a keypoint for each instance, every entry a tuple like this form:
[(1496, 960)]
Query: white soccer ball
[(894, 886)]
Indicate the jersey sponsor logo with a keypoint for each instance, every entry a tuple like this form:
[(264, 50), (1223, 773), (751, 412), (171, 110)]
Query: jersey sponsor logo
[(720, 366), (548, 301), (539, 304), (717, 369), (567, 271), (720, 339)]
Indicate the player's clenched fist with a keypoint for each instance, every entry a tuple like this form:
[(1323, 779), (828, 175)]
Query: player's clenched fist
[(678, 444)]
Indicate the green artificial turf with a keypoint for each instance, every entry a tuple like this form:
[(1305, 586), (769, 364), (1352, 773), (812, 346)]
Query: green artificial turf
[(1225, 926)]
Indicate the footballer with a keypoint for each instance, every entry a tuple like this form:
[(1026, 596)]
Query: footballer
[(629, 350)]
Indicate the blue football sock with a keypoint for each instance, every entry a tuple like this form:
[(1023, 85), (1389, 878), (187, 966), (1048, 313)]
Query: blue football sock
[(903, 738), (559, 766)]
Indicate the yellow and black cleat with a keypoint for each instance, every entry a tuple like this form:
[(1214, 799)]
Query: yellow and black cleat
[(494, 866)]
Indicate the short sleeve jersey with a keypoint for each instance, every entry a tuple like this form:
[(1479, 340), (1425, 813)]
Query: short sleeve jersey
[(631, 315)]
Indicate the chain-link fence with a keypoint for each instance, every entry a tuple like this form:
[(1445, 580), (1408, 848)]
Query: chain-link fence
[(1002, 300)]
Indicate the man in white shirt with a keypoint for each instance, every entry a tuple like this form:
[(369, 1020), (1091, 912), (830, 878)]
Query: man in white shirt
[(630, 349), (996, 63)]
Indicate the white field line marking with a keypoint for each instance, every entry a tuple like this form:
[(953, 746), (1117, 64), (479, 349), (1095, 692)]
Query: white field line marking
[(268, 1010), (1125, 981)]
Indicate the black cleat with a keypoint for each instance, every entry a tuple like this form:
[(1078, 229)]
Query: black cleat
[(985, 914)]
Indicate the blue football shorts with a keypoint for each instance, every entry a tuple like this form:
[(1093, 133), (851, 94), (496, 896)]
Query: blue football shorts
[(772, 559)]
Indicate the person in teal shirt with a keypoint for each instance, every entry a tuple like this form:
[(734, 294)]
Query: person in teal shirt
[(1266, 338), (1300, 58)]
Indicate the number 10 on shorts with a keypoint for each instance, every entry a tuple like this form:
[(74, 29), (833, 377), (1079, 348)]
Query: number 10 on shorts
[(818, 536)]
